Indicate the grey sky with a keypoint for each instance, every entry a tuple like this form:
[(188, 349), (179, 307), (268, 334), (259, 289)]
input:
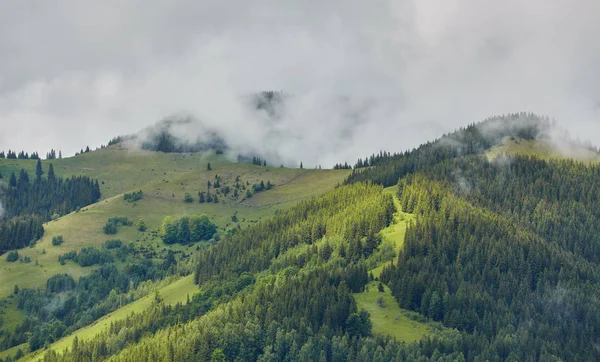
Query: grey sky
[(365, 75)]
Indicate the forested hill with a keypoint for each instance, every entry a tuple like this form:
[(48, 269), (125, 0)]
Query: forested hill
[(476, 138), (488, 258)]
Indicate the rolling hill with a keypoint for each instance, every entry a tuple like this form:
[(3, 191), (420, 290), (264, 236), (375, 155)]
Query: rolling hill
[(164, 179), (481, 245)]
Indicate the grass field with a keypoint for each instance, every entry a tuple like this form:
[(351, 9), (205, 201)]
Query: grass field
[(170, 294), (542, 148), (120, 168), (396, 231), (390, 319)]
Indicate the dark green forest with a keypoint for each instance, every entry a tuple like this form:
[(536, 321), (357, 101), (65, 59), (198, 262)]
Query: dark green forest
[(28, 202)]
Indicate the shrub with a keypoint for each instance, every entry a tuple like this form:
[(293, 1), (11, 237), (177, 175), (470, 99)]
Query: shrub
[(187, 229), (113, 244), (90, 256), (71, 255), (134, 196), (141, 225), (188, 198), (87, 257), (57, 240), (60, 283), (111, 226), (12, 256)]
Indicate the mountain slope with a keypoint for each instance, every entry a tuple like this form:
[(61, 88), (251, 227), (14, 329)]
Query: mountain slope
[(493, 252), (164, 180)]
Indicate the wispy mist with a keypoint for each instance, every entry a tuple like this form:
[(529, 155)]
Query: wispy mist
[(361, 76)]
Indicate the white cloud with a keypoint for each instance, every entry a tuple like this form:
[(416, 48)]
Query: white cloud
[(363, 75)]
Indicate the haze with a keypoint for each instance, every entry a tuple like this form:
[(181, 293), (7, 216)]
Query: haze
[(363, 75)]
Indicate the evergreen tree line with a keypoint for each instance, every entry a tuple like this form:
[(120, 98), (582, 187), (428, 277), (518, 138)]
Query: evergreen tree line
[(474, 139), (306, 317), (255, 160), (21, 156), (18, 232), (339, 166), (29, 203), (160, 138), (119, 139), (26, 156), (355, 212), (513, 294), (310, 317), (557, 199), (47, 196), (258, 161)]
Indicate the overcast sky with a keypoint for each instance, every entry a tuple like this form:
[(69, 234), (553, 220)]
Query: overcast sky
[(364, 75)]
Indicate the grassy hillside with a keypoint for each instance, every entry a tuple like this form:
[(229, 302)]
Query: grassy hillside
[(394, 233), (387, 317), (543, 149), (164, 179)]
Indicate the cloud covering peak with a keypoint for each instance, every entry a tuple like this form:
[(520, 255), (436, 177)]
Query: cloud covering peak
[(362, 76)]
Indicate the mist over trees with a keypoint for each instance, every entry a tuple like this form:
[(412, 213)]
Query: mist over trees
[(474, 139), (502, 256)]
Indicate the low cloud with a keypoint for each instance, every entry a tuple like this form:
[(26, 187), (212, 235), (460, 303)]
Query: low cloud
[(361, 76)]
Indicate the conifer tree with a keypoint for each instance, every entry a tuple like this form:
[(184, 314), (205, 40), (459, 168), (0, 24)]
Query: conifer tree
[(51, 175), (13, 180), (38, 170)]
